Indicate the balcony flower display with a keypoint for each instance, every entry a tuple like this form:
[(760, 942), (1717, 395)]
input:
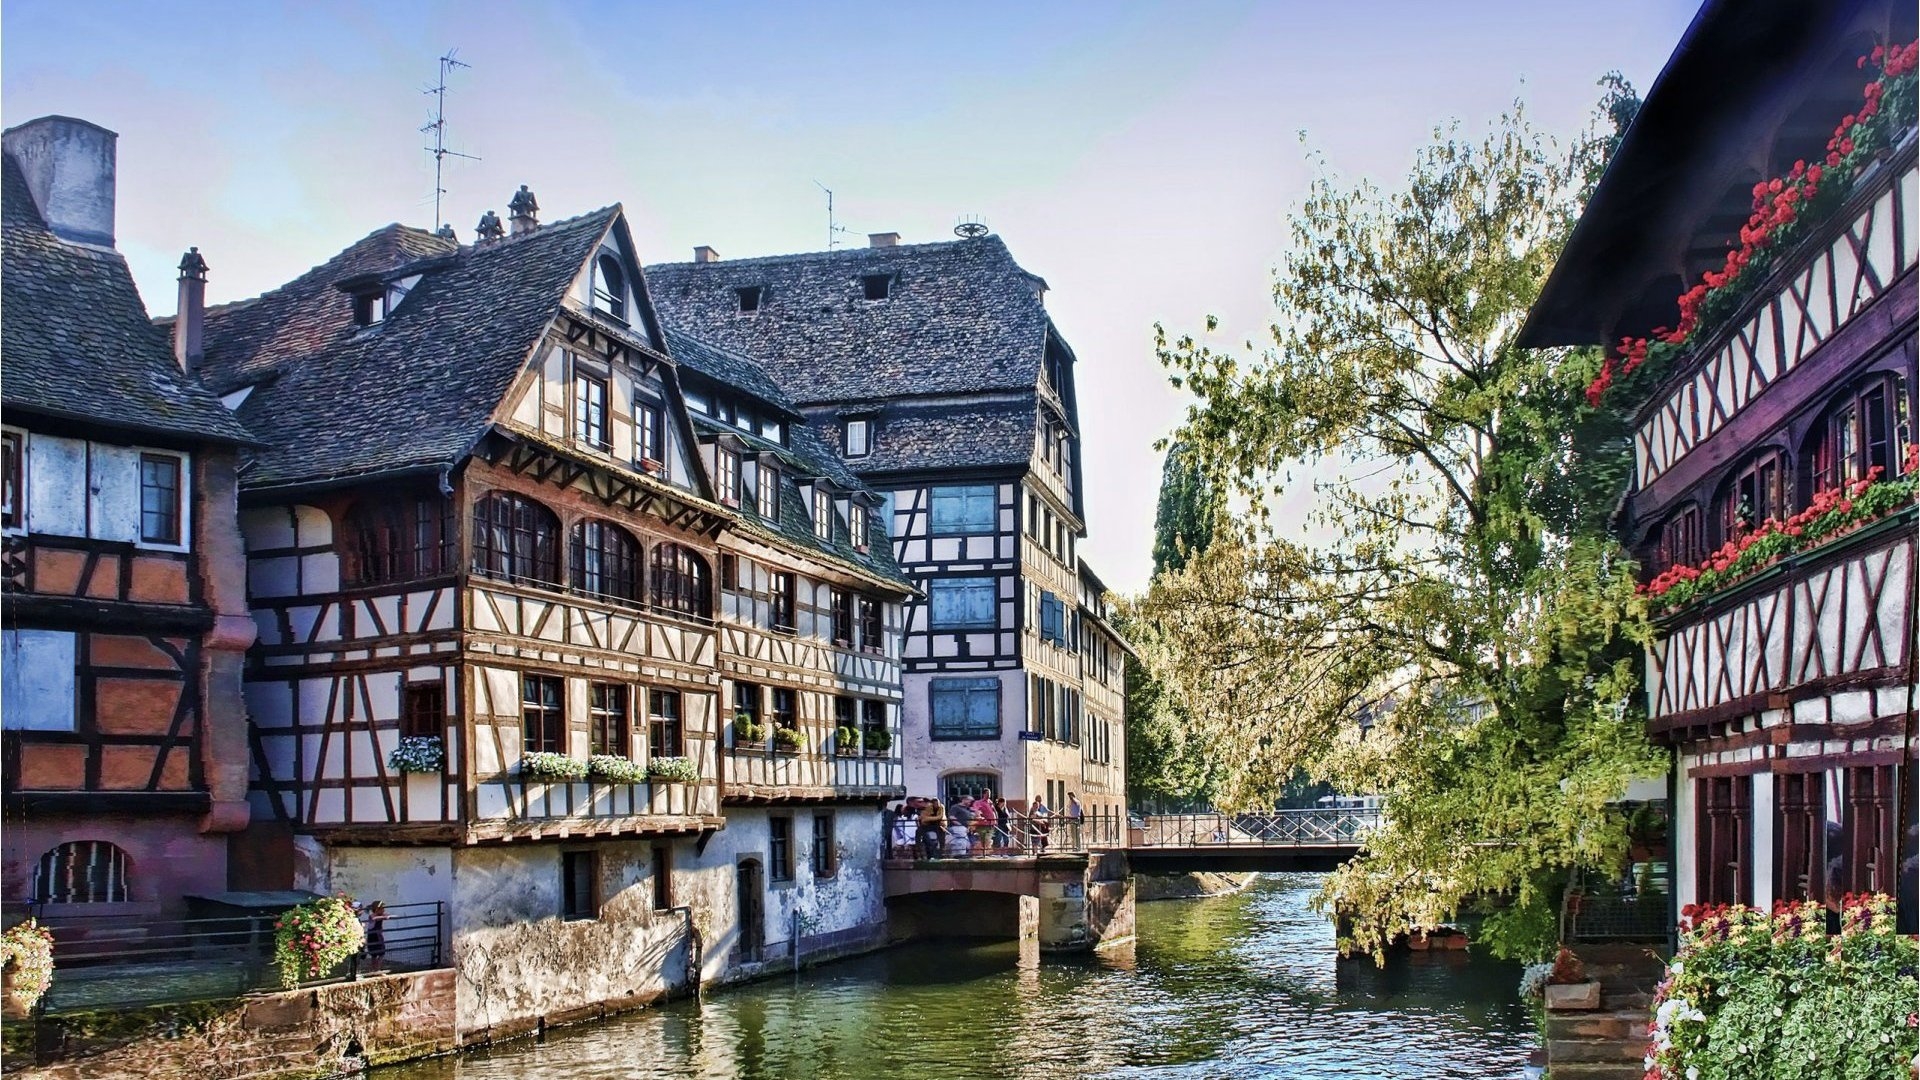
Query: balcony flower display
[(747, 732), (678, 770), (614, 769), (878, 741), (1785, 210), (790, 740), (311, 940), (547, 766), (418, 754), (846, 741), (26, 956)]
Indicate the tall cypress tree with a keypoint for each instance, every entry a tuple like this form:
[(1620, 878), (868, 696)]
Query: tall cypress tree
[(1190, 507)]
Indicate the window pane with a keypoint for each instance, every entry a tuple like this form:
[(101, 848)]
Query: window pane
[(159, 499)]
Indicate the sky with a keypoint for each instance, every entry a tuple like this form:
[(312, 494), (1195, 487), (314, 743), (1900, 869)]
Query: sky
[(1142, 157)]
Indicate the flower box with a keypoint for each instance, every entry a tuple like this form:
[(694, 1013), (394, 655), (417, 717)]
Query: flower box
[(672, 770), (418, 754), (548, 766), (614, 769), (789, 740)]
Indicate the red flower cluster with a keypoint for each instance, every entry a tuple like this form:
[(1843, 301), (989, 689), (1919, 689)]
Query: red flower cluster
[(1824, 502), (1777, 203)]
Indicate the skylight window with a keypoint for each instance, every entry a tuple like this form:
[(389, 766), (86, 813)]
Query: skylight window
[(749, 299), (877, 286)]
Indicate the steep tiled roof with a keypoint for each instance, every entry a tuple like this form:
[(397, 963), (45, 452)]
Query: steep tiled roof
[(337, 400), (75, 340), (960, 317), (725, 366), (911, 436)]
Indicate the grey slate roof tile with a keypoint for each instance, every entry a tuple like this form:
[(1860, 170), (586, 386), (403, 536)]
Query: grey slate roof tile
[(75, 339)]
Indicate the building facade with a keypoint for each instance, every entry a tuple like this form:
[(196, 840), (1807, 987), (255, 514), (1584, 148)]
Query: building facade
[(936, 372), (1787, 694), (125, 621)]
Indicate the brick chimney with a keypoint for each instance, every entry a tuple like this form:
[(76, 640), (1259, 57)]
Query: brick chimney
[(883, 239), (524, 211), (69, 167), (705, 254), (190, 318)]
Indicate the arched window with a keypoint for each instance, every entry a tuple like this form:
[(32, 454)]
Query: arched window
[(970, 784), (1756, 491), (606, 561), (1681, 540), (82, 872), (610, 287), (397, 539), (515, 538), (1854, 435), (680, 581)]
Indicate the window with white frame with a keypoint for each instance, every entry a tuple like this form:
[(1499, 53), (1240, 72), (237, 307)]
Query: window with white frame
[(859, 441), (767, 492), (726, 474), (590, 410), (857, 524), (823, 514)]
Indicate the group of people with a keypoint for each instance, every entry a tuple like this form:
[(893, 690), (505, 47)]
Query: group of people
[(981, 824)]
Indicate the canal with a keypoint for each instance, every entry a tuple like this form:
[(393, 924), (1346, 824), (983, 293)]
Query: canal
[(1239, 986)]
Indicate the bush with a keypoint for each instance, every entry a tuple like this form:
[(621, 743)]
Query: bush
[(846, 740), (546, 766), (879, 740), (748, 733), (677, 769), (26, 950), (311, 940), (786, 738), (615, 770), (1751, 994)]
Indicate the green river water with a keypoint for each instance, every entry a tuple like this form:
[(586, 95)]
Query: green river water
[(1229, 987)]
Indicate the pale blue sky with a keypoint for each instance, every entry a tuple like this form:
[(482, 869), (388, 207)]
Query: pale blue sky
[(1140, 157)]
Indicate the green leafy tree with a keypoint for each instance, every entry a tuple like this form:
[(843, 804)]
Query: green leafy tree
[(1191, 506), (1457, 583)]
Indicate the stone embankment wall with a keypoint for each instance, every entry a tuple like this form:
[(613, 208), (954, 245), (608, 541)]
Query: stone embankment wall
[(293, 1035), (1188, 886)]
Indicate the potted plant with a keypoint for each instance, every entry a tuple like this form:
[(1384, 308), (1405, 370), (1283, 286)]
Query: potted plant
[(546, 766), (846, 741), (675, 770), (26, 966), (789, 740), (613, 769), (749, 732), (1568, 987), (418, 754), (653, 466), (878, 742), (311, 940)]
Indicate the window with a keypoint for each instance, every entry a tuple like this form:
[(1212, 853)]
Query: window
[(607, 719), (780, 608), (423, 709), (749, 299), (857, 524), (159, 498), (873, 718), (579, 884), (962, 603), (1855, 435), (13, 474), (515, 538), (824, 861), (590, 410), (965, 708), (859, 442), (845, 715), (650, 430), (606, 561), (37, 692), (785, 711), (680, 581), (662, 874), (780, 848), (1756, 493), (82, 872), (665, 735), (872, 638), (400, 539), (767, 492), (823, 514), (970, 785), (726, 474), (963, 510), (610, 288), (842, 617), (543, 714), (1724, 839), (746, 704), (1799, 833), (1052, 619), (1682, 541), (876, 286)]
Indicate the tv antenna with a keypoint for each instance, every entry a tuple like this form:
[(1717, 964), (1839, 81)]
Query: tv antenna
[(834, 228), (438, 128)]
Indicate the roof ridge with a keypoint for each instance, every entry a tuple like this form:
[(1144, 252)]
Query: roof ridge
[(848, 253)]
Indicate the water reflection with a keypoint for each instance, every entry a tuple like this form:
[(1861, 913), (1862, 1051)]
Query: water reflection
[(1243, 986)]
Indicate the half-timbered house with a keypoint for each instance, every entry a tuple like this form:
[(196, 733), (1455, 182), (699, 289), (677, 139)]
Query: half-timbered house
[(938, 375), (125, 619), (1787, 693)]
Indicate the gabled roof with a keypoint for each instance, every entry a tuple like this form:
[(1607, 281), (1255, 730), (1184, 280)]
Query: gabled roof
[(960, 317), (726, 367), (337, 400), (75, 340), (911, 436)]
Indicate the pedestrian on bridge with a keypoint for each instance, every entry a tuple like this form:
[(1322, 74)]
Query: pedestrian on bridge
[(986, 822), (1002, 824), (1076, 817), (933, 828), (1037, 817)]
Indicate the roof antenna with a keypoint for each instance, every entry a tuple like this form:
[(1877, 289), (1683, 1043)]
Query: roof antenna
[(834, 229), (970, 228), (438, 127)]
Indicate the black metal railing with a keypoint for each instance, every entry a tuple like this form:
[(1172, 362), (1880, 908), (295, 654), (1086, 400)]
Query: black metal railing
[(1014, 833), (110, 961), (1632, 907)]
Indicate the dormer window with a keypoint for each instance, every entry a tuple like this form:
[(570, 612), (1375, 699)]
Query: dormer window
[(876, 286), (857, 524), (373, 305), (726, 474), (859, 441), (767, 495), (610, 287), (749, 298), (369, 308), (823, 514)]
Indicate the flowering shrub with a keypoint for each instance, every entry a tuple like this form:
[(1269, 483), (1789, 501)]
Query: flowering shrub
[(545, 766), (418, 754), (1831, 511), (677, 769), (1751, 994), (615, 770), (1784, 210), (311, 940), (1533, 980), (26, 952)]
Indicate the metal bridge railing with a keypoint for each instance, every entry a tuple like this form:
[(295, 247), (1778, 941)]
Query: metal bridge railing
[(1333, 827)]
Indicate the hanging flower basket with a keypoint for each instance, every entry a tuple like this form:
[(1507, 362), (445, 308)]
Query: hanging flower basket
[(26, 957), (677, 770), (418, 754), (546, 766), (613, 769), (314, 939)]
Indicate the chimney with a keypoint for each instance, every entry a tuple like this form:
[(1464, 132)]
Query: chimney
[(524, 211), (69, 166), (190, 318), (489, 228), (705, 254), (883, 239)]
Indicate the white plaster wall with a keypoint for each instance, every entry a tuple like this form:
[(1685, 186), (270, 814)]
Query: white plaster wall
[(1685, 885), (927, 760)]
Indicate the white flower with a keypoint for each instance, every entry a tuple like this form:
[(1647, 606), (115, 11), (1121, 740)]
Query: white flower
[(1675, 968), (1693, 1072)]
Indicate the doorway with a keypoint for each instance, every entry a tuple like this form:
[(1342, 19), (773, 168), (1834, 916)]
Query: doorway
[(750, 903)]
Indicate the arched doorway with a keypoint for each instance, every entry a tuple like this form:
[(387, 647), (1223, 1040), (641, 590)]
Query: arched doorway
[(750, 903)]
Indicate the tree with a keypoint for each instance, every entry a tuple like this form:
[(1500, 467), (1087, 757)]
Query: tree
[(1466, 592), (1190, 507)]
